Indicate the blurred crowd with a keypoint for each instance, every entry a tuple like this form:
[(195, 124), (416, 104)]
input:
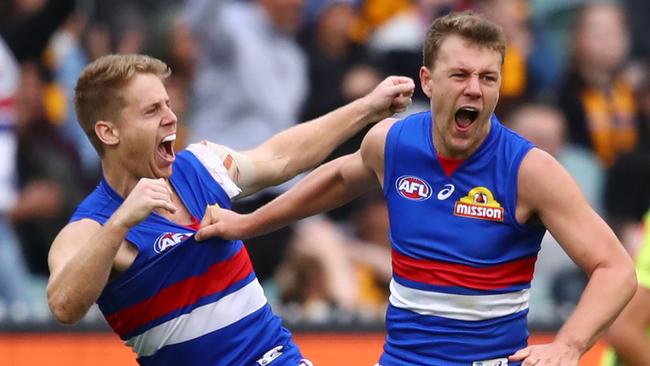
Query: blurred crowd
[(576, 83)]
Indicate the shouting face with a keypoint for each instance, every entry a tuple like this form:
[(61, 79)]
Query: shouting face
[(143, 138), (463, 86)]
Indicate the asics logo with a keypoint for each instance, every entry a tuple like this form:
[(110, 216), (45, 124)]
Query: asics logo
[(446, 192)]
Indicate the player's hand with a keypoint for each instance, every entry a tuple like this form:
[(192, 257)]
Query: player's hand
[(551, 354), (225, 224), (392, 95), (146, 196)]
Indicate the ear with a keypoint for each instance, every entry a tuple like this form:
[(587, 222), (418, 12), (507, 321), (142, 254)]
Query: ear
[(107, 132), (426, 81)]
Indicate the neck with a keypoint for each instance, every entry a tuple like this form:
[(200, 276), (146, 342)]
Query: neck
[(118, 176), (121, 184)]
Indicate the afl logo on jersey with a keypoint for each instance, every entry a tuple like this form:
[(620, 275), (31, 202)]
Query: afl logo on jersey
[(168, 240), (413, 188)]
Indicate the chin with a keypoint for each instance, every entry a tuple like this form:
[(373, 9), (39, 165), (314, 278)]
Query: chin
[(165, 173), (461, 147)]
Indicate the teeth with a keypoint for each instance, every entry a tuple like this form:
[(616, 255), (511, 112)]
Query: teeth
[(169, 138)]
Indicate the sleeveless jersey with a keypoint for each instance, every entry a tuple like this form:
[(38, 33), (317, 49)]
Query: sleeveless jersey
[(462, 264), (187, 303)]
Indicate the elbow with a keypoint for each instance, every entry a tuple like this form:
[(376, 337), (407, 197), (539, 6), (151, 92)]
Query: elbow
[(62, 309), (628, 279)]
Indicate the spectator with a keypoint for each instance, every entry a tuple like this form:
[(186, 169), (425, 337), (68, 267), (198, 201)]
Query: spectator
[(546, 127), (399, 38), (47, 172), (627, 188), (596, 100), (39, 20), (529, 68)]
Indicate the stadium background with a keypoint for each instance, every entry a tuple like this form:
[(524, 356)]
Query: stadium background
[(332, 295)]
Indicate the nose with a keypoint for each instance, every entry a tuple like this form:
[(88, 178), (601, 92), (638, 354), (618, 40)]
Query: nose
[(170, 116), (473, 87)]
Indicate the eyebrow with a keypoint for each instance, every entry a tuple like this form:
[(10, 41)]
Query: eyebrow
[(166, 101), (467, 70)]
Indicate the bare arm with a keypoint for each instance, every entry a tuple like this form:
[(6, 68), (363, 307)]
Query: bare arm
[(83, 254), (329, 186), (628, 335), (305, 145), (547, 190), (80, 260)]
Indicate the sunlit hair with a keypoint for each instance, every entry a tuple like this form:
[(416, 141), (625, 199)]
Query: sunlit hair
[(99, 91), (471, 26)]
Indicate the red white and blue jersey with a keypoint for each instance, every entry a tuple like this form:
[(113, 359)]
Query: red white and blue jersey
[(462, 264), (183, 302)]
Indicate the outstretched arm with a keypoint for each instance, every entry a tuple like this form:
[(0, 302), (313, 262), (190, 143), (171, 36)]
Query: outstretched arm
[(305, 145), (329, 186), (547, 190)]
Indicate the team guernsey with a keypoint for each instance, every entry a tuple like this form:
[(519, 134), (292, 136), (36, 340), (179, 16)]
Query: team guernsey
[(462, 264), (183, 302)]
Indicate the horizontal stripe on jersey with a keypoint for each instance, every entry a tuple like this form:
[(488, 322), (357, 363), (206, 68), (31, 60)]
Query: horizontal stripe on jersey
[(230, 309), (241, 343), (440, 273), (184, 293), (461, 307)]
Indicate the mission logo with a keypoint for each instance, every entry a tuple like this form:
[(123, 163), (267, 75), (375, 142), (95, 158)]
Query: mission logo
[(479, 204), (413, 188)]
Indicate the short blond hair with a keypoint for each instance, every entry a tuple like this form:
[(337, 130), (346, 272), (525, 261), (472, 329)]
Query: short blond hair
[(98, 94), (468, 25)]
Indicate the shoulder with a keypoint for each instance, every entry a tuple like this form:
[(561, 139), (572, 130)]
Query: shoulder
[(71, 236), (536, 165), (376, 136), (78, 228), (372, 146), (542, 179), (225, 165)]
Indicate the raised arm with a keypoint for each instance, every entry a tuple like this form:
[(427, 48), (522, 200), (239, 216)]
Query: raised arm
[(327, 187), (305, 145), (84, 253), (547, 191)]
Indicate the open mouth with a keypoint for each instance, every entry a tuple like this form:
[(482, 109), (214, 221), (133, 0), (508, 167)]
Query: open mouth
[(465, 116), (166, 147)]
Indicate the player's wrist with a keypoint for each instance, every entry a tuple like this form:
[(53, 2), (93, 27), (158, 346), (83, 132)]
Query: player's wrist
[(571, 345), (367, 110), (119, 222)]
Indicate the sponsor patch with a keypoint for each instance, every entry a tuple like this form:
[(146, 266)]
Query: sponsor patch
[(413, 188), (479, 204)]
